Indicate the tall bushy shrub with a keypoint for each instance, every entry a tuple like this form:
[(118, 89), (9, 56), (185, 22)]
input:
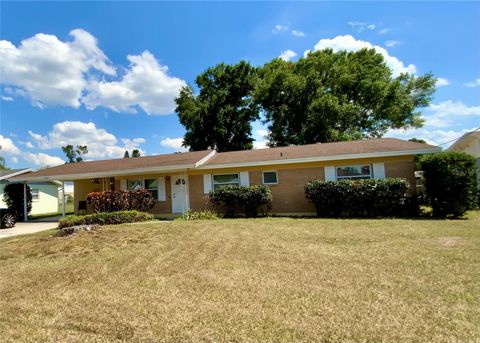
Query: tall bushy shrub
[(13, 198), (111, 201), (450, 182), (359, 198), (249, 200)]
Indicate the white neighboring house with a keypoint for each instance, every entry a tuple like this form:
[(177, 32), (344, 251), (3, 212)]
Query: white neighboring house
[(44, 194), (469, 143)]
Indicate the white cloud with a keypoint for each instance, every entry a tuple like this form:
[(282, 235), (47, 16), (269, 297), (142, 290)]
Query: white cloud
[(471, 84), (42, 160), (349, 43), (8, 146), (297, 33), (279, 28), (454, 108), (173, 143), (434, 137), (49, 71), (361, 26), (100, 143), (7, 98), (287, 55), (14, 159), (447, 113), (260, 137), (133, 143), (442, 82), (29, 145), (146, 84), (392, 43), (384, 31)]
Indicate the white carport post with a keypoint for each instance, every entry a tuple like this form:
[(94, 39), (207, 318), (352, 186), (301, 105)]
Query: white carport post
[(63, 198), (25, 209)]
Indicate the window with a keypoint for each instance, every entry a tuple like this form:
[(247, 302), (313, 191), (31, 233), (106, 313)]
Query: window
[(270, 178), (151, 185), (225, 179), (354, 172), (134, 185), (35, 194)]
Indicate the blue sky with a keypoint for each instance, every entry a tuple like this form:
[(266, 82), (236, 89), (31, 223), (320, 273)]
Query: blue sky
[(105, 74)]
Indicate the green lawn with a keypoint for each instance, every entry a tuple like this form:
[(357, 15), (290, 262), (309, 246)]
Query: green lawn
[(263, 280)]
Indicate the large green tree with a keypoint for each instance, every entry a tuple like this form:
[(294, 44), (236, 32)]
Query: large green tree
[(220, 115), (331, 96)]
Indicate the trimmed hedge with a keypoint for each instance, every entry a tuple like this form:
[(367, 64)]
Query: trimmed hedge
[(450, 182), (112, 201), (105, 218), (249, 200), (368, 198)]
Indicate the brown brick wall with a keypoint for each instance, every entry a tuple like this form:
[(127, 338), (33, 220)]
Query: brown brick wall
[(288, 196), (198, 200), (404, 169)]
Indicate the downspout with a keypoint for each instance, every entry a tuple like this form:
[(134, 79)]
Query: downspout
[(25, 209), (63, 198)]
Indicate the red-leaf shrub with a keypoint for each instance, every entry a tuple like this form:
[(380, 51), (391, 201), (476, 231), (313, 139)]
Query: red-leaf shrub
[(112, 201)]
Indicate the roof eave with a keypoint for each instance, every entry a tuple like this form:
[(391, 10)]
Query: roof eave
[(126, 172), (324, 158)]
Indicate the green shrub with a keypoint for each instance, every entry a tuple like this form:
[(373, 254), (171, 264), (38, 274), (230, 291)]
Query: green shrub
[(105, 218), (450, 183), (249, 200), (113, 201), (361, 198), (199, 215), (13, 198)]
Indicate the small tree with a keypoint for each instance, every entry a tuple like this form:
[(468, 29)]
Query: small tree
[(75, 155), (126, 154), (135, 153), (13, 197), (450, 182)]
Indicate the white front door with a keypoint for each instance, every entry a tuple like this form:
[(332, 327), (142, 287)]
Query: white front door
[(179, 193)]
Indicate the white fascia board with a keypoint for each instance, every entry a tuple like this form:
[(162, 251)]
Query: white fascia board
[(126, 172), (20, 172), (205, 159), (324, 158)]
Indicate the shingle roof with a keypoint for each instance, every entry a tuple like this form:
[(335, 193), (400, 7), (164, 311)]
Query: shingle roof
[(365, 146), (123, 164), (6, 173), (382, 146)]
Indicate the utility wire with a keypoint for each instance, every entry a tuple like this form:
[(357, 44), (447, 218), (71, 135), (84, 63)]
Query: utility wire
[(453, 140)]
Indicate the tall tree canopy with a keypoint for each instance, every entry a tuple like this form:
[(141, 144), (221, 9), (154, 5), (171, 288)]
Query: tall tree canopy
[(332, 96), (220, 116)]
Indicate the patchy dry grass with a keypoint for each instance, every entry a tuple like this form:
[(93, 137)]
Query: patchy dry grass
[(263, 280)]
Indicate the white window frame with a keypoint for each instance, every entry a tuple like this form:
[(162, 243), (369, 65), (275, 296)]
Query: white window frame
[(38, 194), (269, 171), (213, 179), (160, 192), (353, 177)]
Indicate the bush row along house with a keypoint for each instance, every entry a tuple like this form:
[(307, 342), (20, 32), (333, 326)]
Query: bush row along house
[(183, 181)]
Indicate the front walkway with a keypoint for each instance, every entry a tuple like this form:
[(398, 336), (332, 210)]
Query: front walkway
[(32, 226)]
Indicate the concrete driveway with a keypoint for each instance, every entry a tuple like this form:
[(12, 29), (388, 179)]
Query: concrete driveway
[(30, 227)]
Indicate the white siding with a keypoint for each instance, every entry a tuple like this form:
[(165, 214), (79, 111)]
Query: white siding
[(207, 183), (48, 198), (330, 174), (379, 170), (123, 185), (244, 179), (161, 189)]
